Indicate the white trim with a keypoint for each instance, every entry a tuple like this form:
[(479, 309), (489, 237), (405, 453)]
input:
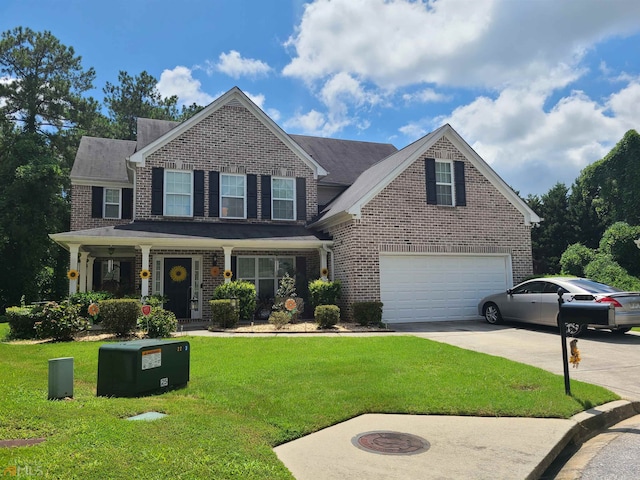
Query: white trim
[(165, 193), (293, 200), (99, 182), (244, 198), (104, 203), (233, 95)]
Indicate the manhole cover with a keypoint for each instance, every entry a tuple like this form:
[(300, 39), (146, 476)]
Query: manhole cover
[(390, 443)]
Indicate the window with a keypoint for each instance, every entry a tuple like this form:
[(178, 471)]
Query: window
[(283, 195), (264, 272), (112, 202), (444, 183), (178, 194), (232, 196)]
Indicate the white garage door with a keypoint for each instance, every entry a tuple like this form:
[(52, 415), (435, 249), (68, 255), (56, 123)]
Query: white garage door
[(419, 288)]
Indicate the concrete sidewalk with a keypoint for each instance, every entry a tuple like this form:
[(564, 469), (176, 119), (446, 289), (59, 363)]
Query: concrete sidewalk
[(457, 447)]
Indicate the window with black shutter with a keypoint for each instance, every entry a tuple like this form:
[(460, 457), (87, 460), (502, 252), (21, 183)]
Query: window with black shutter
[(157, 188)]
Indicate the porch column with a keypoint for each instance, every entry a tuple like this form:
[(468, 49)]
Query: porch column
[(323, 263), (90, 274), (146, 249), (227, 261), (83, 271), (73, 265)]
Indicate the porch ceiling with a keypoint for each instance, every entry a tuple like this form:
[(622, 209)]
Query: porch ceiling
[(203, 235)]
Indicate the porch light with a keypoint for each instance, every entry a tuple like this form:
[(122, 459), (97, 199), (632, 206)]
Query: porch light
[(193, 303)]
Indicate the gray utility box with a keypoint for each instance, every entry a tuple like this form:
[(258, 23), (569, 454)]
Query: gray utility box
[(60, 378), (142, 367)]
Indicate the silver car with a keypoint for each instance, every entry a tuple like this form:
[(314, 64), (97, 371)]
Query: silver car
[(536, 301)]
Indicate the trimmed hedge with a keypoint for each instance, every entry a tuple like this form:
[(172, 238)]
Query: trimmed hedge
[(84, 299), (327, 316), (120, 315), (324, 293), (223, 314), (367, 313), (245, 292), (22, 321)]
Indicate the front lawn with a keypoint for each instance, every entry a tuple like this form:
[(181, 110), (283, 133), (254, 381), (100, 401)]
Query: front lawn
[(247, 395)]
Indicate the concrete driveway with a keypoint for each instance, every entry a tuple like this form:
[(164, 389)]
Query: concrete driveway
[(612, 361)]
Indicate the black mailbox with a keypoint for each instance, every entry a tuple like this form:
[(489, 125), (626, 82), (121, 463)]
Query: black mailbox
[(587, 313), (142, 367)]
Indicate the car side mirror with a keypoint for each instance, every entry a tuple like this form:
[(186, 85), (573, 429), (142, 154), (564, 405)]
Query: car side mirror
[(509, 291)]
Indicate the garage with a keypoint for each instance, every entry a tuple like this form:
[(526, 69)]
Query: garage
[(420, 288)]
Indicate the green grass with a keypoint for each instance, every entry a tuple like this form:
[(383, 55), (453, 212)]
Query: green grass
[(247, 395)]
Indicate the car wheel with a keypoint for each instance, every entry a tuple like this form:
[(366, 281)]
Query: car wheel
[(621, 330), (492, 314), (575, 329)]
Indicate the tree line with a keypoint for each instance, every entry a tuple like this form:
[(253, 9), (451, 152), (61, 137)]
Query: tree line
[(589, 229), (45, 109)]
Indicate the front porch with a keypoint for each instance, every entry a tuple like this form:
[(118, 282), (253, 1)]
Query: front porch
[(185, 262)]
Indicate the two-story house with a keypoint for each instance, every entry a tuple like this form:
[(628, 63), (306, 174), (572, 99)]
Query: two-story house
[(428, 229)]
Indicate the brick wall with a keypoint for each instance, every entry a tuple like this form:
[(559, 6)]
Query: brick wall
[(230, 140), (81, 210), (399, 219)]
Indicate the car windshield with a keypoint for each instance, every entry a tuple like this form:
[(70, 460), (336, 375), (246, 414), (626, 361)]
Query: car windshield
[(593, 287)]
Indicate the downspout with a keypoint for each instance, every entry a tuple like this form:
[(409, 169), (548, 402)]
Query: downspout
[(330, 251)]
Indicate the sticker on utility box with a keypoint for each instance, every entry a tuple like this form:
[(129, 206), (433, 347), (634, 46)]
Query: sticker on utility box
[(151, 358)]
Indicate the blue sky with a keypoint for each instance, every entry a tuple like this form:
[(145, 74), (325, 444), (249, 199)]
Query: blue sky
[(539, 88)]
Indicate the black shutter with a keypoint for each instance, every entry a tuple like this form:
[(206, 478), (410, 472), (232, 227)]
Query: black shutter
[(252, 196), (461, 192), (214, 194), (157, 190), (430, 176), (97, 196), (266, 196), (127, 203), (301, 198), (198, 193)]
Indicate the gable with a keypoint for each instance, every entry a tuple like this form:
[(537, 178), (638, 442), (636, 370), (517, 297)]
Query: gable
[(372, 182), (233, 102)]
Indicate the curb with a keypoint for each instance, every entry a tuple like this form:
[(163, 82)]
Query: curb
[(587, 425)]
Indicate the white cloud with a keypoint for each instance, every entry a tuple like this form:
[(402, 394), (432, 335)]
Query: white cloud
[(180, 82), (428, 95), (235, 66), (454, 42)]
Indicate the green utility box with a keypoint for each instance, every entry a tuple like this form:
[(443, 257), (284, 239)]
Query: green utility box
[(142, 367)]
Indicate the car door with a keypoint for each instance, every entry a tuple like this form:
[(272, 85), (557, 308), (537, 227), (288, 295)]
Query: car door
[(549, 304), (523, 303)]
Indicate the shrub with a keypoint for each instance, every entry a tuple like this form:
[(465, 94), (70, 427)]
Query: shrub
[(367, 313), (223, 314), (60, 321), (120, 315), (605, 269), (618, 241), (159, 323), (245, 292), (279, 319), (22, 321), (155, 300), (84, 299), (324, 293), (575, 259), (327, 315)]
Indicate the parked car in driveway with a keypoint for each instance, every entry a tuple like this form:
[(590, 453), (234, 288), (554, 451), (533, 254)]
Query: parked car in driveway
[(536, 301)]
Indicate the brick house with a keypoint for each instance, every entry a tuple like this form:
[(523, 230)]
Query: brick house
[(228, 189)]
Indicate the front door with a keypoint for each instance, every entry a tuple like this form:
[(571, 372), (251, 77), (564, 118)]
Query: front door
[(177, 285)]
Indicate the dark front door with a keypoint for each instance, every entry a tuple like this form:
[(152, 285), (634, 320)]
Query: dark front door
[(177, 283)]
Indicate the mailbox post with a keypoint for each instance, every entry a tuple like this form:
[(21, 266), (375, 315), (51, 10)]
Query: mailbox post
[(581, 313)]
